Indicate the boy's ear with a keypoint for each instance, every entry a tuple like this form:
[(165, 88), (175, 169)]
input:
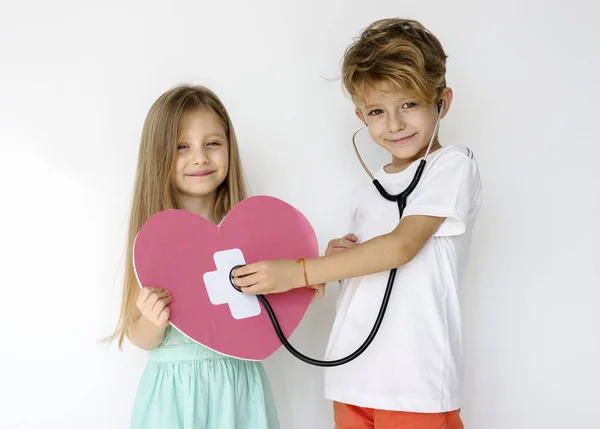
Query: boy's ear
[(360, 115), (446, 96)]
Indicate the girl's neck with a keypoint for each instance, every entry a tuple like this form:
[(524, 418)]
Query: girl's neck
[(203, 206)]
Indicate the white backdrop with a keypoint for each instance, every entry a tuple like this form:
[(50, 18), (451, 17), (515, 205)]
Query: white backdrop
[(76, 80)]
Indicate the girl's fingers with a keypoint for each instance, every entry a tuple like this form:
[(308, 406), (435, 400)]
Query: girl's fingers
[(163, 317), (146, 292), (162, 303), (351, 237), (149, 292), (151, 301), (344, 243)]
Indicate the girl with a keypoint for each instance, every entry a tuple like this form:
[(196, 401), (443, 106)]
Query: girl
[(188, 159)]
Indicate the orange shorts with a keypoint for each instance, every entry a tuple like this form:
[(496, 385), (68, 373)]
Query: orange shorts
[(351, 417)]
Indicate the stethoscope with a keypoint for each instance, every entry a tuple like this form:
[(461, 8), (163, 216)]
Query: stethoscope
[(400, 199)]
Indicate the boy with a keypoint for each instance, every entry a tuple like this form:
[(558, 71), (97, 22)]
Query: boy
[(410, 376)]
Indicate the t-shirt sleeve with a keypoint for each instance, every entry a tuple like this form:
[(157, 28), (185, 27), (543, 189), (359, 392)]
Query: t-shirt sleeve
[(449, 188)]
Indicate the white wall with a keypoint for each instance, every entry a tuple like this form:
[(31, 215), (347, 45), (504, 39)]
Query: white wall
[(76, 80)]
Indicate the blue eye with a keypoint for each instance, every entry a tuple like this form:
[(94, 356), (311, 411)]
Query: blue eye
[(213, 143), (182, 146), (375, 112)]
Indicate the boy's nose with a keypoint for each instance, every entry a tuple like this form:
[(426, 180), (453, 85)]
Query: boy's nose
[(395, 123)]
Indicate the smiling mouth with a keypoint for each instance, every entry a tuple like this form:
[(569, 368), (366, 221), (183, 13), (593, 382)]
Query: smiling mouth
[(201, 174), (402, 140)]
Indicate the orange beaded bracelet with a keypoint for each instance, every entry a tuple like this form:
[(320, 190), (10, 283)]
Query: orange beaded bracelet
[(304, 265)]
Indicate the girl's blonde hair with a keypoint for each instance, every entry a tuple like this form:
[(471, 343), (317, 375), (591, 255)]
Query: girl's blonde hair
[(153, 189)]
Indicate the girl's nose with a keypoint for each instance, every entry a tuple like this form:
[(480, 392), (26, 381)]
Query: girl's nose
[(201, 156)]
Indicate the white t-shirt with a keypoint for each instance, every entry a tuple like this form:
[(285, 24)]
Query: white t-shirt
[(414, 362)]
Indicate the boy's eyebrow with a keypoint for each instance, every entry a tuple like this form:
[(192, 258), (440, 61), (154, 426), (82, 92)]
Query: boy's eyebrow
[(373, 104), (400, 100)]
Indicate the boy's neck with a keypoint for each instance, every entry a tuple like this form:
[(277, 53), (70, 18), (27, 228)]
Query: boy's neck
[(203, 206), (400, 164), (397, 165)]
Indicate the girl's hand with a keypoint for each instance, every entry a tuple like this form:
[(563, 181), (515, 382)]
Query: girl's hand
[(339, 244), (336, 245), (153, 303)]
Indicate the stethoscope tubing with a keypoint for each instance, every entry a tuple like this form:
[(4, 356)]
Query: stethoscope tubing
[(400, 199)]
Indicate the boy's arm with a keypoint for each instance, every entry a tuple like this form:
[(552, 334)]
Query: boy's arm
[(449, 190), (378, 254), (381, 253)]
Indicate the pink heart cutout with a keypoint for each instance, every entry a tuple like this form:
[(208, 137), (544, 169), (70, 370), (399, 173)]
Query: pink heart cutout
[(174, 250)]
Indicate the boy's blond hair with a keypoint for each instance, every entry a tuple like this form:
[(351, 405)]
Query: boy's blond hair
[(399, 52)]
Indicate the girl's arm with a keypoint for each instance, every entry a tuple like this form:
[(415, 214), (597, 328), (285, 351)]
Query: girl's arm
[(151, 317)]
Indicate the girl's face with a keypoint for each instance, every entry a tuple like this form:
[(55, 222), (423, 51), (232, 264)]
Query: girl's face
[(202, 159)]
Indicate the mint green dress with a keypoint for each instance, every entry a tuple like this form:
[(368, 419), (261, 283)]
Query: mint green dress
[(187, 386)]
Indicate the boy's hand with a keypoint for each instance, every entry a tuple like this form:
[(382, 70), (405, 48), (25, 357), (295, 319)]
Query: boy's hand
[(277, 276), (339, 244), (153, 303)]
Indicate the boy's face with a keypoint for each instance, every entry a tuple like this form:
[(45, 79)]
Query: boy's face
[(400, 124)]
